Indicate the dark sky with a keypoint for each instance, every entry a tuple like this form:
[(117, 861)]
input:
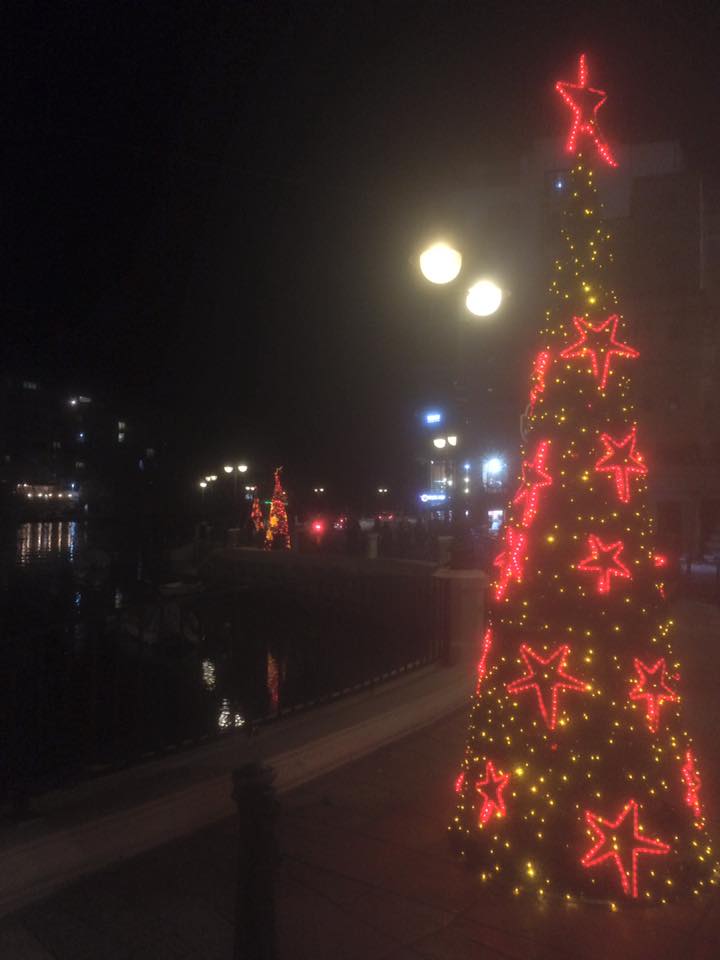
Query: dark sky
[(210, 209)]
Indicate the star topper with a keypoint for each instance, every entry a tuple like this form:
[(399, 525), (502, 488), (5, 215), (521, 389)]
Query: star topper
[(621, 458), (546, 676), (534, 478), (624, 845), (651, 685), (604, 559), (490, 789), (584, 101), (598, 341)]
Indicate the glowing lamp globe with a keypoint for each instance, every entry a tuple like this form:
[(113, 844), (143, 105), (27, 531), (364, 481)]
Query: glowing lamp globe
[(483, 298), (440, 263)]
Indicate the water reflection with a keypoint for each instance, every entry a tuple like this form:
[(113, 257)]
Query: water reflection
[(46, 541), (227, 718), (208, 673), (273, 683)]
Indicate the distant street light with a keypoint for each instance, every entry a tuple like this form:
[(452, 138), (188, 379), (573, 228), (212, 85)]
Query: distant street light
[(203, 484), (382, 489), (228, 469), (483, 298), (242, 467), (318, 490), (440, 263), (439, 442)]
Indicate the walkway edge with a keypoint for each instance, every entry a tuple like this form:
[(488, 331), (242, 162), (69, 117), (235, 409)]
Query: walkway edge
[(34, 868)]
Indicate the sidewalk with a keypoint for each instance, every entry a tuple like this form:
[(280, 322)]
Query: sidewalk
[(366, 872)]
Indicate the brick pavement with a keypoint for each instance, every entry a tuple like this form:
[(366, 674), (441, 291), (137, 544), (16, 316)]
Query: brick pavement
[(366, 873)]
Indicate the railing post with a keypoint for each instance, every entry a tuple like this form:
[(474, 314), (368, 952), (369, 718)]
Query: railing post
[(254, 794)]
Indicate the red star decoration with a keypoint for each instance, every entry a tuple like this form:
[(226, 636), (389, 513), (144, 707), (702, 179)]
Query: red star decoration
[(651, 685), (534, 478), (597, 341), (490, 789), (547, 681), (510, 560), (584, 101), (604, 559), (692, 781), (624, 845), (621, 458)]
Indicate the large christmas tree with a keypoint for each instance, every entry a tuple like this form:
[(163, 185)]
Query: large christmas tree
[(579, 778)]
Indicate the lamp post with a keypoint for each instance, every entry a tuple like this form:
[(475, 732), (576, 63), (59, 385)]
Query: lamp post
[(441, 264), (235, 470)]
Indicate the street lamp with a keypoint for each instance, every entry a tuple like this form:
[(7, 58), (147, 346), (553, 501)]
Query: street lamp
[(228, 469), (242, 468), (440, 263), (483, 298)]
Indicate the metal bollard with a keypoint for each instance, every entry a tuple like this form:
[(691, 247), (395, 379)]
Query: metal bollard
[(254, 794)]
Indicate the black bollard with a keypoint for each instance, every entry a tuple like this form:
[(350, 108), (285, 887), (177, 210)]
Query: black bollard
[(254, 794)]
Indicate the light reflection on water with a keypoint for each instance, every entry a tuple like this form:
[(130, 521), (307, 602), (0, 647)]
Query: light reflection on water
[(49, 540)]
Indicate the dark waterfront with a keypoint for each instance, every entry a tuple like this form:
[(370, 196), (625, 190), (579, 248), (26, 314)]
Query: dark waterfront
[(106, 660)]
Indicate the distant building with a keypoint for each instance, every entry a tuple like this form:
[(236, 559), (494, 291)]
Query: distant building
[(61, 454)]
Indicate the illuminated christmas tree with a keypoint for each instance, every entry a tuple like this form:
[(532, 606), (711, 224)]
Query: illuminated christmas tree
[(256, 515), (579, 778), (277, 535)]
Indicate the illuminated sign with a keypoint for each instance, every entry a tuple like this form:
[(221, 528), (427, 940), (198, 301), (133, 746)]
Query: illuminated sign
[(433, 497)]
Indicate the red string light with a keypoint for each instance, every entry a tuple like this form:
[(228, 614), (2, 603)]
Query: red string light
[(541, 366), (584, 101), (490, 789), (547, 681), (621, 846), (482, 665), (598, 341), (460, 782), (621, 458), (651, 685), (692, 781), (534, 478), (604, 559), (510, 561), (660, 560)]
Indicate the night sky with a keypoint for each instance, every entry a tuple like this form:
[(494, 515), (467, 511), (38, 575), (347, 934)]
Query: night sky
[(210, 210)]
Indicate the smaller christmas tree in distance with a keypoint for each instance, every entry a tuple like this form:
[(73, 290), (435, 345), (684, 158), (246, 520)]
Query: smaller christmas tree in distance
[(256, 515), (277, 535)]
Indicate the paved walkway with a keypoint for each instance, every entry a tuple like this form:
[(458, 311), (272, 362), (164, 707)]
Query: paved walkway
[(366, 873)]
